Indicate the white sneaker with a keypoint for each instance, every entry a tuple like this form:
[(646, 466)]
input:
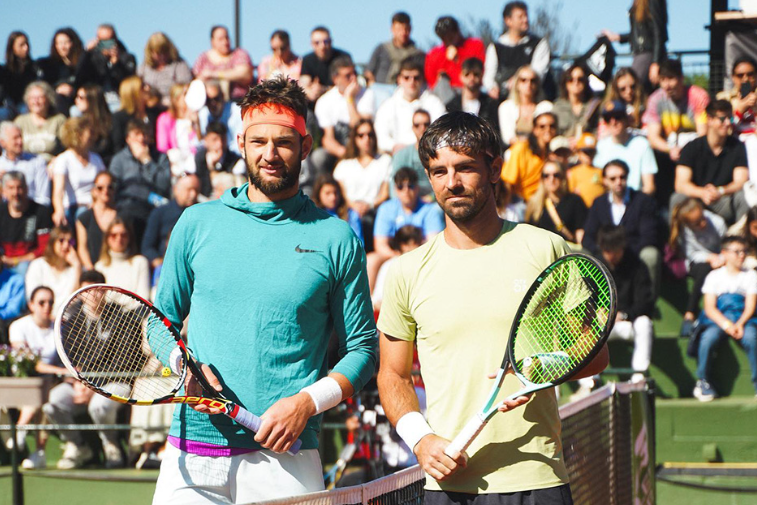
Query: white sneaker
[(637, 377), (74, 456), (20, 441), (35, 461), (113, 456)]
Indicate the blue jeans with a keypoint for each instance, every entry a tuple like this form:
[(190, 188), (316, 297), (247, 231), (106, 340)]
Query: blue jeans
[(711, 339)]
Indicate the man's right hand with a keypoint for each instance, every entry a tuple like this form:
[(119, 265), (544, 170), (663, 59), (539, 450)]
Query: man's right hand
[(430, 453)]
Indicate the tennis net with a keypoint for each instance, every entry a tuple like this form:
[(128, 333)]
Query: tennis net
[(608, 443)]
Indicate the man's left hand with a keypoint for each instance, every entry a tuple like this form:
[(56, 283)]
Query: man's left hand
[(284, 421)]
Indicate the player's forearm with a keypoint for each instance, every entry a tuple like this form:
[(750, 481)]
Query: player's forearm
[(595, 366), (397, 394)]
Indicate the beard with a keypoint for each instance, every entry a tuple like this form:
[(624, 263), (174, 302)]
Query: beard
[(464, 210), (269, 187)]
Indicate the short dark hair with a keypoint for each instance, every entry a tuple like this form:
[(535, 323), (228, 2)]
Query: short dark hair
[(279, 90), (616, 163), (716, 106), (282, 35), (411, 63), (401, 17), (671, 68), (218, 128), (464, 133), (135, 124), (472, 65), (217, 27), (611, 238), (511, 6), (320, 28), (422, 111), (743, 59), (405, 235), (38, 289), (733, 239), (91, 277), (405, 174), (343, 61), (446, 25)]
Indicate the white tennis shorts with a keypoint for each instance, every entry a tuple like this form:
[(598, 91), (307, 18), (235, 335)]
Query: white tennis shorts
[(189, 479)]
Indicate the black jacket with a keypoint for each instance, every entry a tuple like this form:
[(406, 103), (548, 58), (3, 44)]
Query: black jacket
[(639, 221), (487, 111), (634, 287), (650, 35)]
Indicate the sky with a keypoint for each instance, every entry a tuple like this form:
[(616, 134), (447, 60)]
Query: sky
[(356, 26)]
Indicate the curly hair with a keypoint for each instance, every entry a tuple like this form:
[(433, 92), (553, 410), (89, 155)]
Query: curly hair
[(279, 90)]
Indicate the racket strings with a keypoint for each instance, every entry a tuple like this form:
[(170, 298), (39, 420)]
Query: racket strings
[(112, 341), (564, 319)]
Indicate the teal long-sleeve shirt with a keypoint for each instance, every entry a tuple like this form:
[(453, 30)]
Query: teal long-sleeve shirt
[(264, 285)]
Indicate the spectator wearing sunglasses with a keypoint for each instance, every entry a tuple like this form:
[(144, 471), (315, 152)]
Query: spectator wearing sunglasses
[(406, 209), (743, 95), (408, 157), (283, 61), (315, 75), (623, 143), (633, 210), (713, 168), (394, 118), (522, 170), (218, 110)]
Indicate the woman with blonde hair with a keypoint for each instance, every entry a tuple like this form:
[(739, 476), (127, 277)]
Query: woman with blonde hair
[(625, 88), (134, 95), (516, 114), (74, 171), (554, 208), (119, 261), (58, 268), (695, 235), (163, 67), (41, 126), (177, 132)]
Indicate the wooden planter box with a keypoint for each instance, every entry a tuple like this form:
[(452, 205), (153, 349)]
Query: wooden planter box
[(18, 392)]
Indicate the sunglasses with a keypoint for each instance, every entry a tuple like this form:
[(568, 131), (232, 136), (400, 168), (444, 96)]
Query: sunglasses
[(722, 119), (406, 185), (547, 175), (362, 135), (109, 187), (577, 79), (324, 42), (621, 177), (626, 88), (418, 125), (44, 302), (410, 77), (551, 126), (121, 234), (744, 75), (526, 79)]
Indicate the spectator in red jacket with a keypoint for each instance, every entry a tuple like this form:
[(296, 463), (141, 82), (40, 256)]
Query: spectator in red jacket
[(447, 58)]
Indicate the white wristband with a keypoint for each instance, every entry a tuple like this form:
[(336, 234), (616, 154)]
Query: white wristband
[(326, 394), (412, 427)]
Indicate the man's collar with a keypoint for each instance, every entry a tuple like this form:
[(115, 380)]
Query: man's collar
[(626, 196)]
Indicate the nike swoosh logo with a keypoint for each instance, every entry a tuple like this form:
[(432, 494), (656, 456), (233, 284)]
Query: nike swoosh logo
[(299, 250)]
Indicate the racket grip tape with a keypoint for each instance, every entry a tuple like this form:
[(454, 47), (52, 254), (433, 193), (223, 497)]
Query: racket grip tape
[(465, 437), (253, 422)]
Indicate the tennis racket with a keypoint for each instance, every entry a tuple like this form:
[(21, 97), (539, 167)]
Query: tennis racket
[(561, 325), (123, 348)]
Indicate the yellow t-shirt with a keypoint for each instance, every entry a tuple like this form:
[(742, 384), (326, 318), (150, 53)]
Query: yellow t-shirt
[(586, 182), (459, 305), (522, 170)]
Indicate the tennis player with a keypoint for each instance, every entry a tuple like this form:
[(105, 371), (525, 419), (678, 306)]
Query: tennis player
[(265, 276), (455, 297)]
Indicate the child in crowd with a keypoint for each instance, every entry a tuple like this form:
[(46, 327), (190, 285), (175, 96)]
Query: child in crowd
[(730, 297)]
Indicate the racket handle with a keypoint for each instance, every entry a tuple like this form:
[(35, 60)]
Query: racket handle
[(251, 421), (465, 437)]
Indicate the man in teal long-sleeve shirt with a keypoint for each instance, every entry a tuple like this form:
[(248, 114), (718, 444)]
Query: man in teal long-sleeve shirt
[(265, 278)]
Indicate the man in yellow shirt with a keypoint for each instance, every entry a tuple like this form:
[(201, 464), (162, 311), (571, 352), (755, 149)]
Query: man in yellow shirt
[(455, 297)]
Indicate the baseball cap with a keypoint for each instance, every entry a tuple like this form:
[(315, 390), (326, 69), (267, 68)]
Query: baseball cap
[(586, 141), (614, 108), (558, 143)]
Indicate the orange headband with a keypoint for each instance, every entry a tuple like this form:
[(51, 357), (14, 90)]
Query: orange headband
[(271, 113)]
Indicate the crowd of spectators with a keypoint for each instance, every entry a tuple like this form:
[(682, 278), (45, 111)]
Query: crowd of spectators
[(100, 157)]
